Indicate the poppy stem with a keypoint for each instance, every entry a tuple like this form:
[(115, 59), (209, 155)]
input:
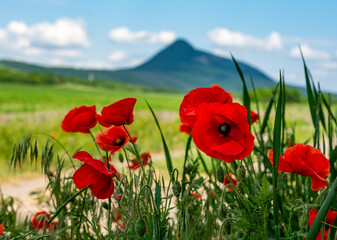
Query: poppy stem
[(65, 150), (93, 138), (62, 207), (134, 146)]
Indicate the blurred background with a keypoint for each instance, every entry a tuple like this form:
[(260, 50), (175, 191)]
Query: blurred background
[(58, 54)]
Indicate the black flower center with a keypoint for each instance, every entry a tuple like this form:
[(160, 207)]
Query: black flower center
[(119, 142), (224, 129)]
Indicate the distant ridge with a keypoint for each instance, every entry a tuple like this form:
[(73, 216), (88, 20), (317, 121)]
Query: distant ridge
[(178, 66)]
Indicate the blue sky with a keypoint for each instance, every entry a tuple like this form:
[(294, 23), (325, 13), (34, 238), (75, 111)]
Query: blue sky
[(118, 34)]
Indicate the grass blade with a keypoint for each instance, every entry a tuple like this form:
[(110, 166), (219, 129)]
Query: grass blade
[(310, 95), (316, 225), (276, 155), (166, 150), (246, 99)]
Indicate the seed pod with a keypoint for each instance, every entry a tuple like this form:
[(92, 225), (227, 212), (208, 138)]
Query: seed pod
[(120, 157), (140, 227), (176, 188), (220, 174), (227, 228), (223, 211), (105, 205), (241, 173)]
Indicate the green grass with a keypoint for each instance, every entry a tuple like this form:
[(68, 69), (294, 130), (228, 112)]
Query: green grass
[(35, 98), (37, 108)]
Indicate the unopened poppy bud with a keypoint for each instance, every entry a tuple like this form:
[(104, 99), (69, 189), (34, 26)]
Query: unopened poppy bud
[(188, 168), (176, 188), (120, 157), (227, 228), (223, 211), (105, 205), (285, 176), (241, 173), (140, 227), (220, 174), (119, 196)]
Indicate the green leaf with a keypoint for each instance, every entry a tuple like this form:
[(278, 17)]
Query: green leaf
[(316, 225), (310, 95), (157, 196), (276, 154), (166, 150), (265, 189), (246, 99), (268, 110)]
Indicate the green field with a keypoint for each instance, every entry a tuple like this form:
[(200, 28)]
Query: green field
[(40, 108)]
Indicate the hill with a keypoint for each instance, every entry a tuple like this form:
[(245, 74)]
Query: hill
[(179, 66)]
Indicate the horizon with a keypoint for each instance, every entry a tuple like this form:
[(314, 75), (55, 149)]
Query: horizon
[(124, 34)]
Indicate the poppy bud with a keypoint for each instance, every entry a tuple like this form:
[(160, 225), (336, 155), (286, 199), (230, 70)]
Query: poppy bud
[(220, 174), (140, 227), (227, 228), (285, 176), (223, 211), (105, 205), (241, 172), (120, 157), (188, 168), (119, 196), (176, 188)]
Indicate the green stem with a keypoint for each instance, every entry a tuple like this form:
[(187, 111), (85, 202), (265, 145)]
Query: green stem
[(71, 159), (62, 207)]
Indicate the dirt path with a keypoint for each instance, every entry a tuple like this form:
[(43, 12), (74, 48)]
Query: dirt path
[(28, 204)]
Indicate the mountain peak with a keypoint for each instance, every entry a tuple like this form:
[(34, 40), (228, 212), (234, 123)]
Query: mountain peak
[(178, 51), (181, 45)]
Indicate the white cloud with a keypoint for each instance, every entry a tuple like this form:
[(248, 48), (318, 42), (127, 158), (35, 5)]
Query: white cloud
[(135, 62), (225, 37), (93, 64), (117, 55), (17, 28), (63, 33), (221, 53), (309, 53), (68, 53), (3, 35), (123, 34), (34, 51), (329, 65)]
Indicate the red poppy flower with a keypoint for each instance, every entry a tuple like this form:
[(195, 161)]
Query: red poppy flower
[(80, 119), (253, 117), (306, 161), (197, 195), (145, 158), (94, 173), (211, 192), (112, 139), (221, 131), (116, 214), (194, 98), (227, 181), (40, 221), (330, 218), (185, 129), (1, 229), (118, 113)]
